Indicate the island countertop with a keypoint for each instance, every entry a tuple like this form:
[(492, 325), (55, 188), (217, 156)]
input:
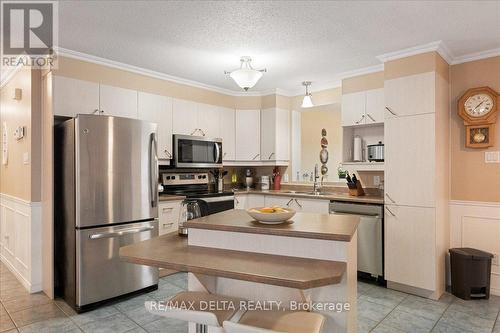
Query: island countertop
[(303, 225)]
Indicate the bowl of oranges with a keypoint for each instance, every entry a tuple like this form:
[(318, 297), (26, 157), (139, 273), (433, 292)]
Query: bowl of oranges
[(271, 215)]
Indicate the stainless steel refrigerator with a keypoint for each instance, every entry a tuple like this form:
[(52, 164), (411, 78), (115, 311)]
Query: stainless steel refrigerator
[(105, 197)]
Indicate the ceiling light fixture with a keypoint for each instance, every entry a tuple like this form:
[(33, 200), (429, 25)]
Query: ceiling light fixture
[(246, 76), (307, 101)]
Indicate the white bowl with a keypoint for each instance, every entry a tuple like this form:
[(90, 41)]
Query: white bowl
[(271, 218)]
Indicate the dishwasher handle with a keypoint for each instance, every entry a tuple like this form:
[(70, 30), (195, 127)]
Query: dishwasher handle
[(375, 216)]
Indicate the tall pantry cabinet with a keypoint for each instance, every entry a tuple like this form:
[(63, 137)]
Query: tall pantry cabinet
[(416, 174)]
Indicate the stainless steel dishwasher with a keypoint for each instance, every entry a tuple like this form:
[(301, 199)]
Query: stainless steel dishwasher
[(370, 235)]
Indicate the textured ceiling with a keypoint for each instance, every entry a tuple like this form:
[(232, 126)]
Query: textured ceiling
[(295, 40)]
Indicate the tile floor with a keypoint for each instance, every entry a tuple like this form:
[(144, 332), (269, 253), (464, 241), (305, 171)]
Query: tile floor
[(379, 310)]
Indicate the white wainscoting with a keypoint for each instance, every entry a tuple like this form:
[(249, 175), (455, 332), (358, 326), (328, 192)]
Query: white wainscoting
[(477, 224), (21, 240)]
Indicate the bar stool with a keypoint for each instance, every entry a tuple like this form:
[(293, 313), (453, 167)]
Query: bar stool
[(191, 306), (276, 322)]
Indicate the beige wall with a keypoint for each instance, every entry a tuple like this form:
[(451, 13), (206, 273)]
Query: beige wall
[(16, 177), (471, 178), (312, 122), (420, 63), (363, 82)]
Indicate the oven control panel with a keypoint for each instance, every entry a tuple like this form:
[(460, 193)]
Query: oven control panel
[(184, 178)]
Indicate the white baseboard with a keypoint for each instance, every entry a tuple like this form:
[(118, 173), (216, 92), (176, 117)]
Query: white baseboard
[(21, 240)]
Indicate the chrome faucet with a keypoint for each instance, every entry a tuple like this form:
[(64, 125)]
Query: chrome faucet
[(317, 184)]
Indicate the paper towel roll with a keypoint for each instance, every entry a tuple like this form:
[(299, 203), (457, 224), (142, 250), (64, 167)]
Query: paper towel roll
[(358, 149)]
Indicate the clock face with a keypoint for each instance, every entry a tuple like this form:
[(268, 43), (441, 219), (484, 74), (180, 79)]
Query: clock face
[(478, 105)]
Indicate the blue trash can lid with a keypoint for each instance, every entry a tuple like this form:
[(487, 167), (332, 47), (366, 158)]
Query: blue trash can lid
[(470, 252)]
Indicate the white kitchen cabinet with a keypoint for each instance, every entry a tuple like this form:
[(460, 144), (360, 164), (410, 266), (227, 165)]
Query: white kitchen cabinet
[(184, 117), (255, 200), (410, 95), (240, 201), (72, 96), (353, 108), (275, 135), (158, 109), (375, 105), (169, 213), (119, 102), (247, 130), (227, 133), (363, 108), (410, 160), (208, 120), (299, 204), (410, 246)]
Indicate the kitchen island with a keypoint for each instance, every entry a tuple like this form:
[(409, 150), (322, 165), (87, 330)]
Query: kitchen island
[(308, 260)]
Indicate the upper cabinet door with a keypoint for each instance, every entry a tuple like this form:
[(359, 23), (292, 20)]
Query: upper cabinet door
[(118, 102), (275, 135), (353, 109), (185, 117), (227, 133), (282, 135), (158, 109), (268, 134), (72, 96), (208, 120), (247, 135), (410, 95), (410, 161), (375, 104)]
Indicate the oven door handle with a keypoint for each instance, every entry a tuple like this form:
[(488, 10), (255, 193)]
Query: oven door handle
[(216, 199)]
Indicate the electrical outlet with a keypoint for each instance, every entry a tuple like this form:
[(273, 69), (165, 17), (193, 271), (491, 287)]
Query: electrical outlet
[(496, 260), (376, 180)]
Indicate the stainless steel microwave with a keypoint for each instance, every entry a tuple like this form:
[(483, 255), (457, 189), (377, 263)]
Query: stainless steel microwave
[(197, 152)]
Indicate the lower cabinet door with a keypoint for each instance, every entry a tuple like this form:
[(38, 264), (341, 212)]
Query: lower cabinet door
[(168, 214), (410, 246), (278, 201)]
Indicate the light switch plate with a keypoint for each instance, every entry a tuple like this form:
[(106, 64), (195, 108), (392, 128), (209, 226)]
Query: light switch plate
[(376, 180), (492, 157), (495, 260), (26, 158)]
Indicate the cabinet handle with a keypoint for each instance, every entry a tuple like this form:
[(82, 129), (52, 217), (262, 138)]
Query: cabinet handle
[(369, 116), (362, 117), (253, 159), (96, 111), (193, 132), (167, 225), (389, 197), (167, 209), (389, 109), (169, 155), (237, 201), (224, 155), (298, 203), (390, 212), (270, 156), (289, 201), (202, 133)]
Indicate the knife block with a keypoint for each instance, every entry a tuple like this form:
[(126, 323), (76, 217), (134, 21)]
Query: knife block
[(356, 190)]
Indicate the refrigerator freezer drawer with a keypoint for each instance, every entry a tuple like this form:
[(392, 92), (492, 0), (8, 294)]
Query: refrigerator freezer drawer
[(100, 274)]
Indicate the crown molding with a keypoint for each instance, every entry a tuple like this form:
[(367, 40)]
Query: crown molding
[(476, 56), (436, 46)]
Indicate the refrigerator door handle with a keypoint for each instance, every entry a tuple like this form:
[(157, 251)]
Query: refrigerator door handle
[(153, 171), (121, 232)]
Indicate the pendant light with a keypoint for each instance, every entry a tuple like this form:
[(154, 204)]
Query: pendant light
[(307, 101), (246, 76)]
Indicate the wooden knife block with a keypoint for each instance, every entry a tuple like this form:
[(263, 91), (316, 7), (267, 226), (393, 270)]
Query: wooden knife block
[(356, 190)]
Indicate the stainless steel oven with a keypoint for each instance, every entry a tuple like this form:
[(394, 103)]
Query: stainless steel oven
[(197, 152)]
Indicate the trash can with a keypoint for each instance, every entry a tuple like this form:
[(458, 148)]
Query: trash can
[(470, 273)]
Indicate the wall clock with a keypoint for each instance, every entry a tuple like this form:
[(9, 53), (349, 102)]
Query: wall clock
[(478, 108)]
